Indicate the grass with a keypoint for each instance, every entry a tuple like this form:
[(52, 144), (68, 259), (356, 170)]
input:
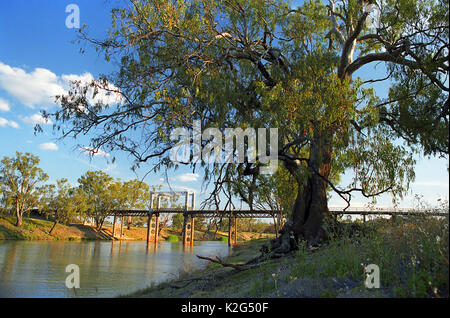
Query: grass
[(412, 255), (35, 228), (172, 238)]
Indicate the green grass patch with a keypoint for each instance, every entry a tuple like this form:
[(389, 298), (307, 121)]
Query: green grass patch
[(172, 238), (412, 256)]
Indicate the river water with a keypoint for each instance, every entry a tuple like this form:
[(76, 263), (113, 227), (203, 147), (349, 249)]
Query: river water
[(107, 269)]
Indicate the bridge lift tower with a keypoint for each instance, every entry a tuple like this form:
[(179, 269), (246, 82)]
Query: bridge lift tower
[(155, 207)]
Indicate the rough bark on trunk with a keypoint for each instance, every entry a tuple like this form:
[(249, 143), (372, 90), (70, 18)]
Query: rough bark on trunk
[(310, 211), (19, 219), (18, 214)]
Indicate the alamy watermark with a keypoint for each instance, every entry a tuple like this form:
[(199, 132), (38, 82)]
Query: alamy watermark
[(372, 272), (73, 19), (212, 151), (73, 279), (373, 19)]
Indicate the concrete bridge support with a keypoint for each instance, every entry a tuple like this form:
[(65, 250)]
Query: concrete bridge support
[(153, 222), (232, 231), (121, 227), (188, 224), (153, 227), (188, 230), (114, 226)]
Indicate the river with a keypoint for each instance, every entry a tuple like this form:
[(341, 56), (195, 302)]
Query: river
[(106, 269)]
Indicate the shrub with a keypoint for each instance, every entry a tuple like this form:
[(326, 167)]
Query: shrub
[(172, 238)]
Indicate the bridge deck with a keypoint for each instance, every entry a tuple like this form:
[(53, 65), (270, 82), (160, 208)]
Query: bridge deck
[(200, 213), (267, 213)]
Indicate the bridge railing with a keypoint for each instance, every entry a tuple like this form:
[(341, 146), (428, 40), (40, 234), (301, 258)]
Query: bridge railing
[(271, 213)]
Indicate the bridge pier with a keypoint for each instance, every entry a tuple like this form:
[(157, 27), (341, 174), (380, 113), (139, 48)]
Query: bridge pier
[(153, 228), (121, 227), (114, 226), (188, 230), (232, 231), (149, 218)]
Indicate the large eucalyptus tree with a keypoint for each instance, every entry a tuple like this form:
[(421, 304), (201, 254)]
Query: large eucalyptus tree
[(269, 64)]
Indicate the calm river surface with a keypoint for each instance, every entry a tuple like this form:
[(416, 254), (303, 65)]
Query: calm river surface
[(107, 269)]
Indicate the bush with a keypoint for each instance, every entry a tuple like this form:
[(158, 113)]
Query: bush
[(172, 238), (223, 239), (412, 256)]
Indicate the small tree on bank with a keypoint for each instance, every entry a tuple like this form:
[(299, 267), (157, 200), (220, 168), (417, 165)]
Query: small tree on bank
[(19, 180), (62, 203), (96, 186)]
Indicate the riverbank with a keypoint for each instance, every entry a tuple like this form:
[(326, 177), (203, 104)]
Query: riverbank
[(412, 256), (36, 229)]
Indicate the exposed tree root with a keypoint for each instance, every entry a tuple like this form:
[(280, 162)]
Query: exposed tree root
[(238, 267), (188, 281)]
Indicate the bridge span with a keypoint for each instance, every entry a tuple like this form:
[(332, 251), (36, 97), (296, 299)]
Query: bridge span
[(190, 214)]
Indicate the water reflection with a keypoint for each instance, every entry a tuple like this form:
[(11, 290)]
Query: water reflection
[(107, 269)]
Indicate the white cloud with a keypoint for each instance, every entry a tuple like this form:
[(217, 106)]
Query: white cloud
[(37, 119), (182, 188), (5, 122), (4, 105), (13, 124), (40, 86), (439, 184), (35, 88), (105, 96), (110, 167), (49, 146), (186, 177), (94, 152)]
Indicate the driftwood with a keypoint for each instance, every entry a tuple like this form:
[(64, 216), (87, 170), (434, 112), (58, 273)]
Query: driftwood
[(188, 281), (238, 267)]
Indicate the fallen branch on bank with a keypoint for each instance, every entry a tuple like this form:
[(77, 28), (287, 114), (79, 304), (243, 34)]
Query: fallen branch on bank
[(237, 267), (187, 281), (210, 277)]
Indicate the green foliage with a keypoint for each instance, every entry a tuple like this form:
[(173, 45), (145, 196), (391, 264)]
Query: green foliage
[(412, 256), (177, 221), (417, 106), (62, 202), (223, 239), (264, 64), (19, 180), (101, 194), (172, 238)]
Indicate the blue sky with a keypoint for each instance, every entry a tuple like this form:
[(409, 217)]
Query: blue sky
[(37, 58)]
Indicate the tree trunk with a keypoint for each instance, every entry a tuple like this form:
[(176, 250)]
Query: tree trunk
[(310, 211), (18, 214), (129, 223), (53, 227)]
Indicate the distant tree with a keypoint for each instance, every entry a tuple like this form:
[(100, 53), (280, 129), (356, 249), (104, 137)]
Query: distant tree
[(177, 221), (80, 199), (19, 179), (62, 203), (137, 195), (97, 186)]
